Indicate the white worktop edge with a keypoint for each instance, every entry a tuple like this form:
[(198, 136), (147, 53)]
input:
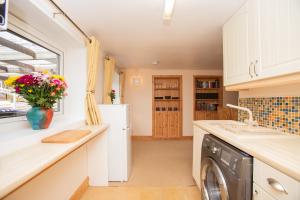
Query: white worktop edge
[(70, 147)]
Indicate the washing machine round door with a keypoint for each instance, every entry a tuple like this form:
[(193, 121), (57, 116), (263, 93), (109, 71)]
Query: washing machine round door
[(213, 183)]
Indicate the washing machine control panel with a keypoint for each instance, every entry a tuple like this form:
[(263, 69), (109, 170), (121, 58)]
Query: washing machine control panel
[(226, 157)]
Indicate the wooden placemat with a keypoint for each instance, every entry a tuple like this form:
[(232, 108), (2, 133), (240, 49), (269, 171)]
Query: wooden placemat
[(66, 136)]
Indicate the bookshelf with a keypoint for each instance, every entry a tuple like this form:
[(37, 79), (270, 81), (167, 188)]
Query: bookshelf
[(208, 97)]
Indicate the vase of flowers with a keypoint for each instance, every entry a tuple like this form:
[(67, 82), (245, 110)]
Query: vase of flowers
[(112, 95), (41, 91)]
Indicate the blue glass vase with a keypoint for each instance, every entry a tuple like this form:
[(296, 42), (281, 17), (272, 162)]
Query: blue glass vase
[(39, 118)]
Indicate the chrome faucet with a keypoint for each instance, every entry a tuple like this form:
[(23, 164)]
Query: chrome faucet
[(250, 121)]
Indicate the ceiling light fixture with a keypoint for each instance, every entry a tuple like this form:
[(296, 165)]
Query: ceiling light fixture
[(156, 62), (168, 9)]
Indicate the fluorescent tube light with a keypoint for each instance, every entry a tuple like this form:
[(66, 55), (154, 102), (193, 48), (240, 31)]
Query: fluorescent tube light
[(168, 9)]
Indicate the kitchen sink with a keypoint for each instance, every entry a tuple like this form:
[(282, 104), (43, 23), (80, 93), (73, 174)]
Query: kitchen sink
[(248, 131)]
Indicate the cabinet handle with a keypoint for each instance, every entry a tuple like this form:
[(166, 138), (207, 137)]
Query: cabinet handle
[(276, 185), (256, 62), (250, 69)]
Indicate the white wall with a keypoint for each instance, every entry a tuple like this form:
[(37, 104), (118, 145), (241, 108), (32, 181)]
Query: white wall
[(284, 90), (76, 75), (140, 97)]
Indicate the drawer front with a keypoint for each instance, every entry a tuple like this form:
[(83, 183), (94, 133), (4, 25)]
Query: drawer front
[(274, 182), (260, 194)]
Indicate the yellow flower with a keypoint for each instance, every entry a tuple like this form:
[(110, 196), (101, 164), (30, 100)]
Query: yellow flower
[(29, 91), (11, 80), (59, 77), (46, 72), (22, 85)]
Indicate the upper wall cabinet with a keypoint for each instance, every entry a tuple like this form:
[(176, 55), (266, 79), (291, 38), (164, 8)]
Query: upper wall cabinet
[(235, 47), (240, 44), (262, 41)]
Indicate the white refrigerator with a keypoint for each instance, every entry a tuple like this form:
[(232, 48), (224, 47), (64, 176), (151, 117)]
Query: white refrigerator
[(119, 140)]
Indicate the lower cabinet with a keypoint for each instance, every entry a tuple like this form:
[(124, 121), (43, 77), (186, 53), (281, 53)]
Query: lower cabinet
[(271, 184), (197, 147), (167, 124), (260, 194)]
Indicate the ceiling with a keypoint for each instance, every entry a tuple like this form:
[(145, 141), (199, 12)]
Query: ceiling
[(134, 33)]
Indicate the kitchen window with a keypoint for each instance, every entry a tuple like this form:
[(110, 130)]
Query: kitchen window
[(19, 56)]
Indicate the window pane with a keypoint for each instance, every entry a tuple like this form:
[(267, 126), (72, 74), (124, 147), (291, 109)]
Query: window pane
[(19, 56)]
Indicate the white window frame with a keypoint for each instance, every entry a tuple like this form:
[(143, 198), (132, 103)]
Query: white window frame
[(33, 35)]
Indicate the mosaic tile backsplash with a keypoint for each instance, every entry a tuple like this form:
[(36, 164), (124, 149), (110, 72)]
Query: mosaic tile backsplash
[(282, 113)]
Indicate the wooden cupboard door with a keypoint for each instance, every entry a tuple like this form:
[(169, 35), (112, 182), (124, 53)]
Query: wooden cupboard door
[(235, 47), (161, 124), (158, 132), (165, 122), (211, 115), (173, 122), (200, 115)]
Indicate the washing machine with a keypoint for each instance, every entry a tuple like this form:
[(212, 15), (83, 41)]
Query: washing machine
[(226, 172)]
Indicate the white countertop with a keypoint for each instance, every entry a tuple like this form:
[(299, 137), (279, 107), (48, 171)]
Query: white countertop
[(19, 166), (282, 152)]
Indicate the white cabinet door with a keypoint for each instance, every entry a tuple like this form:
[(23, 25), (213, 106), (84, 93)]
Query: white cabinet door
[(294, 35), (274, 34), (280, 42), (262, 41), (260, 194), (235, 48), (253, 38), (197, 147)]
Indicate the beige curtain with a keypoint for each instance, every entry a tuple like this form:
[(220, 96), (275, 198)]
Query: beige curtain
[(122, 85), (109, 69), (92, 112)]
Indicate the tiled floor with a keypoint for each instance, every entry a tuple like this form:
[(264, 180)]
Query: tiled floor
[(142, 193), (162, 170), (161, 163)]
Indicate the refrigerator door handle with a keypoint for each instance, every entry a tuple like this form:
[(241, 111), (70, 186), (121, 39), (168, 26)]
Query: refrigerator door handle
[(125, 129)]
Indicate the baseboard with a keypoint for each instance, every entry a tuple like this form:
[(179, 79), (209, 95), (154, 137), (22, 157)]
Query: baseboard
[(80, 190), (149, 138)]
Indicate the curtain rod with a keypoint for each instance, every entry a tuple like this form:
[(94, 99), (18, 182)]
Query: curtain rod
[(76, 26)]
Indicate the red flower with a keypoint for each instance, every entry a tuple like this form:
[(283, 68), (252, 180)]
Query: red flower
[(17, 89), (27, 80)]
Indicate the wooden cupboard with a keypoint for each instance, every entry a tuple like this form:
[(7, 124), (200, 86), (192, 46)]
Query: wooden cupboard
[(208, 97), (261, 41), (167, 107)]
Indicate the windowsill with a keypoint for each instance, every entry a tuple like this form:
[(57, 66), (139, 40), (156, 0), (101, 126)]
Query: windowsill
[(18, 135)]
